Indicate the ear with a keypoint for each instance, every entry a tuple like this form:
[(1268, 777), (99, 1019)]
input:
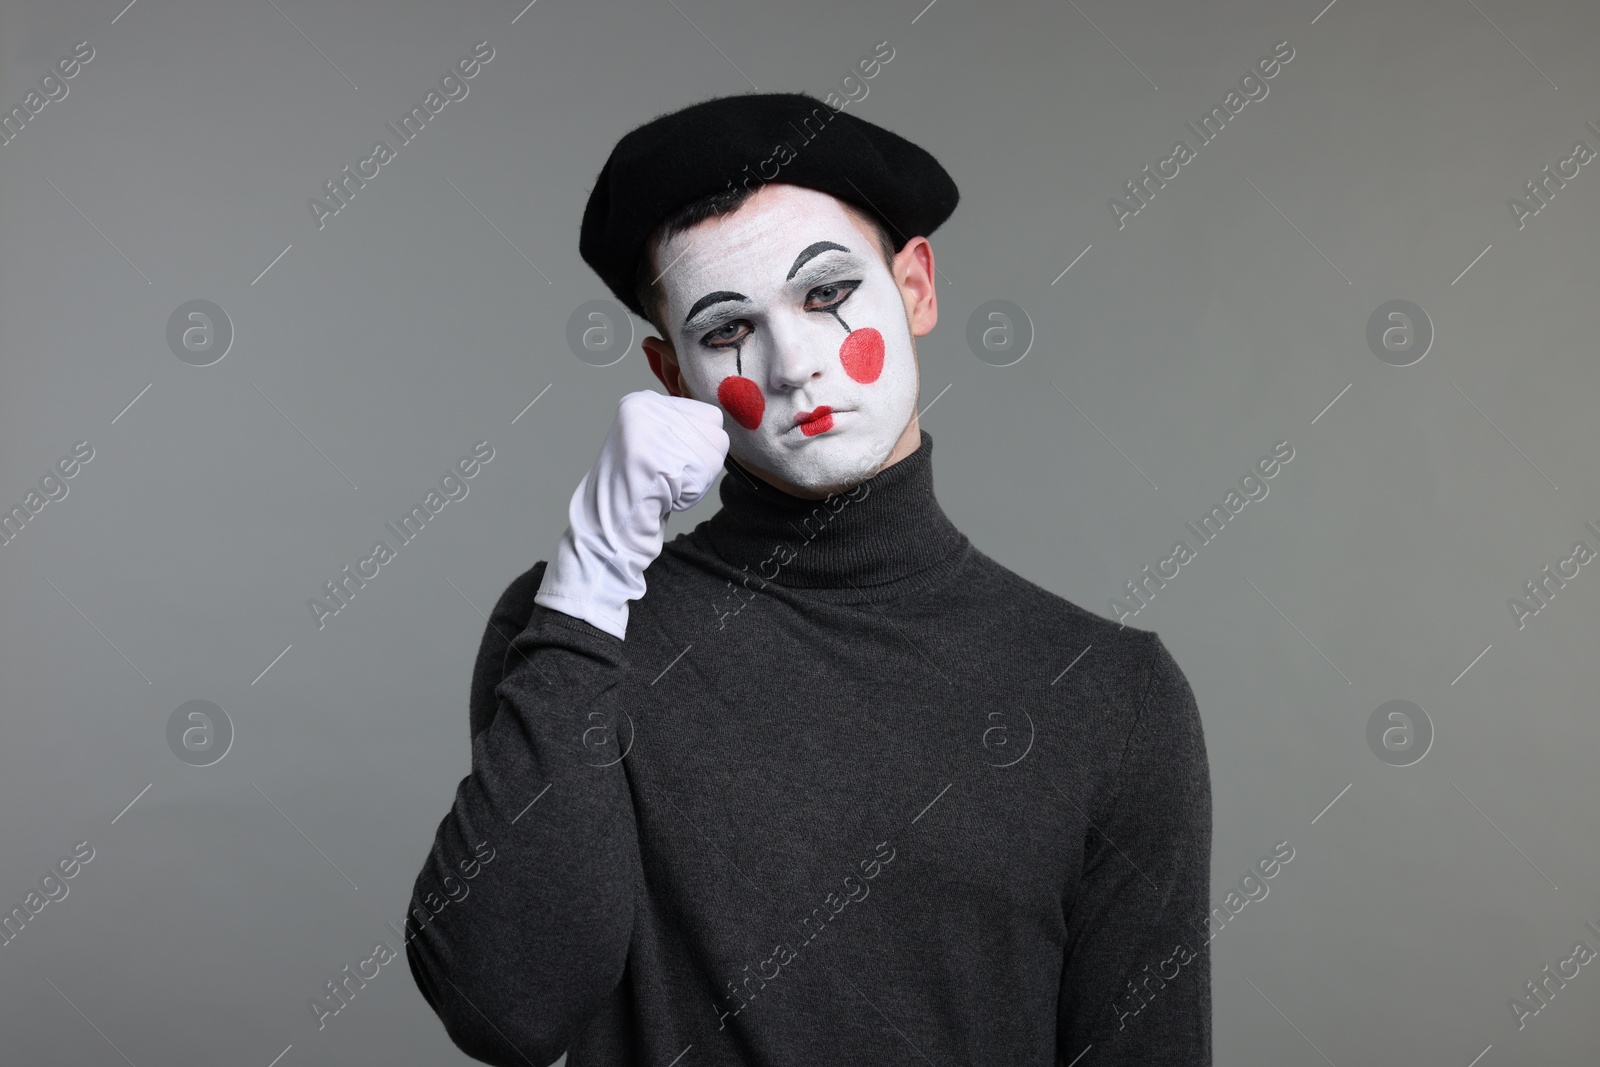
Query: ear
[(664, 365), (914, 275)]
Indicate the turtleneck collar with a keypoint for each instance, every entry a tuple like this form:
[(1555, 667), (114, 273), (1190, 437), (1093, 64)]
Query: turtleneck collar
[(885, 535)]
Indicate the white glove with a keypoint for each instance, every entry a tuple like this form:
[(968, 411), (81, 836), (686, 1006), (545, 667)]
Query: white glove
[(661, 456)]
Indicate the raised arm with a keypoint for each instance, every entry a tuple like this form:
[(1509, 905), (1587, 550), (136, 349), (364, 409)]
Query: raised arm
[(509, 618), (521, 917)]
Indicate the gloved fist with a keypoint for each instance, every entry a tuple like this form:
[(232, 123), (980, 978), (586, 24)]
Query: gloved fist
[(661, 455)]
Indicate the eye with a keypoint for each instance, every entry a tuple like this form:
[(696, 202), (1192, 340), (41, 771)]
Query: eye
[(727, 335), (827, 297)]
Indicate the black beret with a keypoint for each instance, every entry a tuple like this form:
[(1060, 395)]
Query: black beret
[(720, 144)]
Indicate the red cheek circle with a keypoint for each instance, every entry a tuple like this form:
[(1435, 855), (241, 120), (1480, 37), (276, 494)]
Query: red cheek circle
[(742, 399), (862, 355)]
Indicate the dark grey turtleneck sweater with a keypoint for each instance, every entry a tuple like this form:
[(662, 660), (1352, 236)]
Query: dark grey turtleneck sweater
[(850, 792)]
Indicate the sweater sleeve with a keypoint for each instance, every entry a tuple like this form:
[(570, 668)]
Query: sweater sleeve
[(1136, 981), (521, 917), (508, 619)]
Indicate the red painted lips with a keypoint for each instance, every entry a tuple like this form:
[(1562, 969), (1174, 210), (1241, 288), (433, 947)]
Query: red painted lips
[(818, 420)]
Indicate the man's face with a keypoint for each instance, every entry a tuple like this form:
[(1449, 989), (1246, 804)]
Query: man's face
[(785, 315)]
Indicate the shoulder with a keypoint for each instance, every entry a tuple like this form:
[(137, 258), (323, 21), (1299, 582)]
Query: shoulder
[(1039, 600), (1050, 622), (1122, 678), (516, 601), (1163, 774), (1115, 691)]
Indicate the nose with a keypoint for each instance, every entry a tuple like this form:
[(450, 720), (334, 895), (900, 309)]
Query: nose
[(800, 354)]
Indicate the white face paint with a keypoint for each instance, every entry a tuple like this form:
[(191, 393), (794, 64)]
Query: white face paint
[(791, 309)]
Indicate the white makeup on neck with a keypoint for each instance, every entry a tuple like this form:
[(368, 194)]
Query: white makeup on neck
[(785, 315)]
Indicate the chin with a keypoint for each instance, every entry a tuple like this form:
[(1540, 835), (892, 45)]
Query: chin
[(828, 464)]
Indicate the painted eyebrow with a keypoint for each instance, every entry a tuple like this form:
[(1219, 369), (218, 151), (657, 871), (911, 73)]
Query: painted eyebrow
[(713, 298), (814, 250)]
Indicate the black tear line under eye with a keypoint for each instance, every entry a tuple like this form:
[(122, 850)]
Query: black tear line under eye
[(834, 308), (738, 346)]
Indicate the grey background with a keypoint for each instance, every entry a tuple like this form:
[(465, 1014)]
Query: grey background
[(1171, 357)]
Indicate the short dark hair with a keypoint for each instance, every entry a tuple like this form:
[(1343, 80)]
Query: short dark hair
[(646, 285)]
